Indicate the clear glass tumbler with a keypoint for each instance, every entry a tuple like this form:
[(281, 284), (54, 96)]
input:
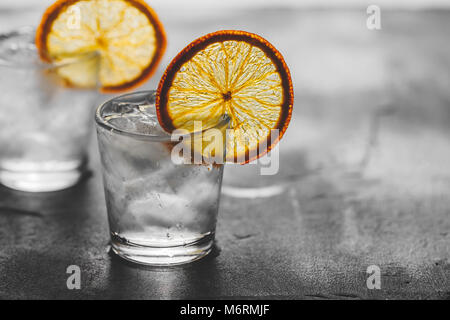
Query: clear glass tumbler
[(161, 211), (45, 125)]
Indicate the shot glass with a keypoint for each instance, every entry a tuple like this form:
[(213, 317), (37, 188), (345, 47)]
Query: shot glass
[(162, 204), (45, 124)]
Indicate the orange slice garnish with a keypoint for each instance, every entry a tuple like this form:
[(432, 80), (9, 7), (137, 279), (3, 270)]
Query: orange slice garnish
[(126, 34), (229, 72)]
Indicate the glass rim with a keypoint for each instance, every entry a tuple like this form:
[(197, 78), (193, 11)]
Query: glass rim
[(30, 31), (100, 121)]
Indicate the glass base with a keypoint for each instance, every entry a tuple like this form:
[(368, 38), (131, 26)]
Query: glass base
[(162, 256), (39, 181), (41, 176)]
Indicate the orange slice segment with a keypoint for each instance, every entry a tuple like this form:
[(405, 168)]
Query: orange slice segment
[(127, 35), (235, 73)]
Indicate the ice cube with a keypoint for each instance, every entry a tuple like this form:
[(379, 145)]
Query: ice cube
[(139, 118), (140, 187), (199, 192), (162, 209), (124, 123)]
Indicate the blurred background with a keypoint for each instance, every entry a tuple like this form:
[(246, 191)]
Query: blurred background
[(366, 155), (349, 81)]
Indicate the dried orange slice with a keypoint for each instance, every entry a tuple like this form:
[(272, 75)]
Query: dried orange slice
[(229, 72), (127, 35)]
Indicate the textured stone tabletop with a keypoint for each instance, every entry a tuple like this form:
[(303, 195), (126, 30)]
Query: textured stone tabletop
[(367, 157)]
